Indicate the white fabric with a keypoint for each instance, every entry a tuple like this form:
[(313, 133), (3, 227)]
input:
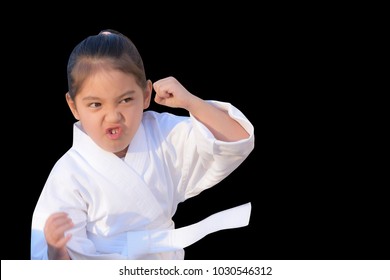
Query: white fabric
[(170, 159), (156, 241), (167, 240)]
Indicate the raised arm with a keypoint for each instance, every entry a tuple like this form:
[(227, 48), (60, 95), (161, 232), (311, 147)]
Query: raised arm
[(169, 92)]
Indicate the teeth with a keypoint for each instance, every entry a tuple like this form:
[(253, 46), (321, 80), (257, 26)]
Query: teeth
[(114, 131)]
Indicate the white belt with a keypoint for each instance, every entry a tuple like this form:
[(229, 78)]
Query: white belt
[(156, 241)]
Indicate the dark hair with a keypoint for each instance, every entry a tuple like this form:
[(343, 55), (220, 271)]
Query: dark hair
[(108, 49)]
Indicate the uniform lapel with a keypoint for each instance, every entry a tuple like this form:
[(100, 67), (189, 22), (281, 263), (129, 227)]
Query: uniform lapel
[(124, 175)]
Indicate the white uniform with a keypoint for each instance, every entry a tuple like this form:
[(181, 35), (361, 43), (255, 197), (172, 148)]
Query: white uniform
[(170, 159)]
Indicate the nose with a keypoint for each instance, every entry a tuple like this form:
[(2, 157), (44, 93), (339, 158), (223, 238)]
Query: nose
[(113, 115)]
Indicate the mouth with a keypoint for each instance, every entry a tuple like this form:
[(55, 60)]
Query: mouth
[(113, 131)]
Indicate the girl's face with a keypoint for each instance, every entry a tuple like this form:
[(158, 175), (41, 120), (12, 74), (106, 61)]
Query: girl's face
[(109, 107)]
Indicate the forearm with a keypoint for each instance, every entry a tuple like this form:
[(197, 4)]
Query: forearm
[(220, 124), (57, 253)]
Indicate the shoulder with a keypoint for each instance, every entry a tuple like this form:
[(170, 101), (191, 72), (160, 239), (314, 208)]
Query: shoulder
[(166, 126), (67, 162), (163, 119)]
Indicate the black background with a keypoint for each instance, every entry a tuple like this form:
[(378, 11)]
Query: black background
[(313, 186)]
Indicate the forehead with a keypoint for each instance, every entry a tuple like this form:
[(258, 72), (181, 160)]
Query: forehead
[(107, 74), (109, 83)]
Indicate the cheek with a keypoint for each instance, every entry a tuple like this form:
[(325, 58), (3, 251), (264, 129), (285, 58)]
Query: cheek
[(133, 120), (87, 120)]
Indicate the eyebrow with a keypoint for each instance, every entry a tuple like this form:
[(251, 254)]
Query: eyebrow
[(127, 93)]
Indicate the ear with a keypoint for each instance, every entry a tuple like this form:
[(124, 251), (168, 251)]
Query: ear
[(72, 105), (148, 94)]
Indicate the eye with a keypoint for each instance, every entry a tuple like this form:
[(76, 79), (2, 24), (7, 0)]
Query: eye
[(126, 100), (94, 105)]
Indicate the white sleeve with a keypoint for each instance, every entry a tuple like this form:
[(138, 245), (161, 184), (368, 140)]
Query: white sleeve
[(213, 159), (56, 197)]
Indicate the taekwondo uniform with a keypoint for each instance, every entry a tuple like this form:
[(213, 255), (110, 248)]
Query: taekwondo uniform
[(123, 208)]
